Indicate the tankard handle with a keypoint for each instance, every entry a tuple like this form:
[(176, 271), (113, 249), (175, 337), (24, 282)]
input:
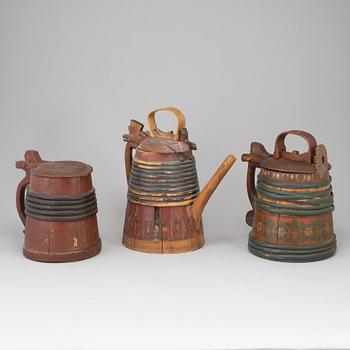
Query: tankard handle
[(155, 132), (21, 188), (32, 160), (257, 154), (281, 152), (133, 139)]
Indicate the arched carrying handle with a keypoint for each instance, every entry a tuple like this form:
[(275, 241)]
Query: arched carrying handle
[(32, 160), (257, 154), (155, 132), (281, 152)]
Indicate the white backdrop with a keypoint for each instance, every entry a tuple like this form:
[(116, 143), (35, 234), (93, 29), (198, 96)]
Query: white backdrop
[(72, 74)]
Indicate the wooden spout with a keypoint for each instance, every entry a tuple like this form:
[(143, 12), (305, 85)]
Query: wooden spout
[(202, 199)]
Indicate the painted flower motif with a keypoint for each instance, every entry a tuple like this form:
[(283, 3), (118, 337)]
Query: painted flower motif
[(308, 231), (259, 226), (282, 233)]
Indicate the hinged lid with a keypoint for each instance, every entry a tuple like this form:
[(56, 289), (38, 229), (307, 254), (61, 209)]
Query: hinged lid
[(288, 166), (163, 145), (314, 160), (63, 168)]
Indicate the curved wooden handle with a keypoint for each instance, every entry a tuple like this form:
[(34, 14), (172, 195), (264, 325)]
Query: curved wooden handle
[(251, 189), (257, 154), (128, 160), (280, 147), (32, 160), (133, 139), (155, 132), (21, 189)]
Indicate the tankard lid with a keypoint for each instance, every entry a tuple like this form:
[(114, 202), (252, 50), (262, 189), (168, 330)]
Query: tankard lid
[(311, 162), (288, 166), (63, 168), (163, 145)]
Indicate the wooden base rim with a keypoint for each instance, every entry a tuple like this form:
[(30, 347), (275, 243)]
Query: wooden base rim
[(292, 253), (164, 247), (63, 257)]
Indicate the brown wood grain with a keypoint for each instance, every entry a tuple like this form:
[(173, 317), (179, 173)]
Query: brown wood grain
[(161, 230), (53, 241), (164, 210), (289, 217)]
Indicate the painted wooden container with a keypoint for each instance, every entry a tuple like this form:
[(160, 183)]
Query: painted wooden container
[(57, 205), (292, 202), (165, 205)]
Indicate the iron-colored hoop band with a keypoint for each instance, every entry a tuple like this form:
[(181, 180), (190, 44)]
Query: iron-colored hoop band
[(60, 208), (168, 183), (292, 254), (275, 199)]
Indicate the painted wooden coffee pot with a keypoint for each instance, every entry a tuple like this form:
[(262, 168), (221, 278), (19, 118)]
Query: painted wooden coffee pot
[(292, 202), (165, 206), (57, 205)]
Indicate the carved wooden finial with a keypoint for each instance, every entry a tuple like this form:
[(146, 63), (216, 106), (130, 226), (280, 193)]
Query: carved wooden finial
[(321, 161)]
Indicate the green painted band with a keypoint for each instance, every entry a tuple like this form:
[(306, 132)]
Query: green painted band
[(270, 245), (294, 206), (296, 254), (294, 203), (292, 196), (293, 185), (327, 197), (295, 212), (292, 258), (277, 192), (301, 201)]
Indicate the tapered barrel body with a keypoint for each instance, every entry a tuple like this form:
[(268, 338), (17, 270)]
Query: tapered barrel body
[(162, 188), (165, 205), (292, 202), (59, 211)]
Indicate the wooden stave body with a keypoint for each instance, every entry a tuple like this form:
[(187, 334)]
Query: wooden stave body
[(61, 241), (292, 238), (161, 230), (177, 231)]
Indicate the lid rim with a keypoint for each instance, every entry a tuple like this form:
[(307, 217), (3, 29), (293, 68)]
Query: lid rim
[(288, 166), (163, 146), (62, 169)]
